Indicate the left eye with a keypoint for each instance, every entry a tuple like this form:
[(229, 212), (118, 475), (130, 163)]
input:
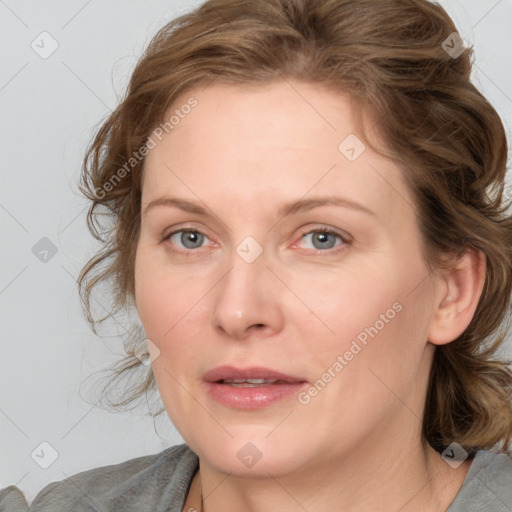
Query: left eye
[(188, 239), (322, 240)]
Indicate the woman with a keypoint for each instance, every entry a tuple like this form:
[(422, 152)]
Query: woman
[(307, 205)]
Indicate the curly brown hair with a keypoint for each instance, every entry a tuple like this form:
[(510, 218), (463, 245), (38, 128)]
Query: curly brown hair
[(391, 56)]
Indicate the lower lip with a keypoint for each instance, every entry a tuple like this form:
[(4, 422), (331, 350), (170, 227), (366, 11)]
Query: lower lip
[(252, 397)]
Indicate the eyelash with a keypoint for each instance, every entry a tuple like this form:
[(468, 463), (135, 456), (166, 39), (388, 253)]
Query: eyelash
[(345, 242)]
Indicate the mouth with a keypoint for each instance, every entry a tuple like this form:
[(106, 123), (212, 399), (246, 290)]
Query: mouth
[(250, 383), (250, 388)]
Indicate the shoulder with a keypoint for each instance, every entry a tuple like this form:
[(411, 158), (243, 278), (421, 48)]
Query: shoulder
[(487, 486), (12, 500), (138, 485)]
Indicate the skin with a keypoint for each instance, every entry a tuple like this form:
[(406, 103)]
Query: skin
[(241, 154)]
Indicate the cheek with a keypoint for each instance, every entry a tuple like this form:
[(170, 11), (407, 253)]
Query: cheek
[(346, 301), (384, 354), (167, 305), (172, 308), (164, 295), (376, 319)]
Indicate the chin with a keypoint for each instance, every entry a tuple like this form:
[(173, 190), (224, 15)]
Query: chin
[(249, 455)]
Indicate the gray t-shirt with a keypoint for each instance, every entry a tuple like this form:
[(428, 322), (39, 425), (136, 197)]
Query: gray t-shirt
[(160, 483)]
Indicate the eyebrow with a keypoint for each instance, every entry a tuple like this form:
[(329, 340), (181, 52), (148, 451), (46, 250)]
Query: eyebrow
[(302, 205)]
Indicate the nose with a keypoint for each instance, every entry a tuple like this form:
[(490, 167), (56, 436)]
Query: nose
[(247, 301)]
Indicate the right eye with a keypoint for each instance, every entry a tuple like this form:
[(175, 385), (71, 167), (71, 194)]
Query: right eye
[(188, 239)]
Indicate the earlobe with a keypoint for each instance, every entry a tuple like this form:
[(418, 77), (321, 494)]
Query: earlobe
[(460, 294)]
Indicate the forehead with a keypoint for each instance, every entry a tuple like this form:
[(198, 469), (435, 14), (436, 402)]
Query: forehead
[(260, 142), (278, 112)]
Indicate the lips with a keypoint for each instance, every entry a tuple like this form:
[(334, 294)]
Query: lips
[(230, 373), (250, 388)]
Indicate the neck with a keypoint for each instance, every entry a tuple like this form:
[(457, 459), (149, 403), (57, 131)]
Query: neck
[(404, 477)]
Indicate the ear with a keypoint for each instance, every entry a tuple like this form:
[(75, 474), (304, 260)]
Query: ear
[(458, 294)]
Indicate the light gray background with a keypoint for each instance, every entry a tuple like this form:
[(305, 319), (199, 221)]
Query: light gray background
[(49, 110)]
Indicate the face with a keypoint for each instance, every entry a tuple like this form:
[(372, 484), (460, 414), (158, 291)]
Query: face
[(275, 247)]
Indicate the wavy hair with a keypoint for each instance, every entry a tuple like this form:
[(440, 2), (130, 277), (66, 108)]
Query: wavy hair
[(393, 57)]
